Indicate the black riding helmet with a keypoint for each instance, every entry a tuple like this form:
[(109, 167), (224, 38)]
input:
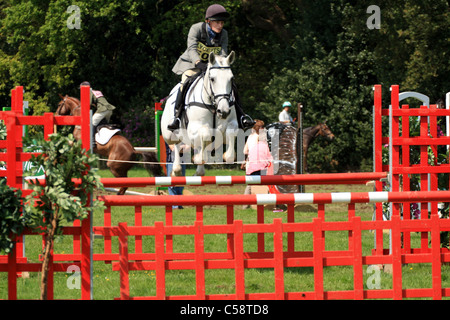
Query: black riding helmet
[(216, 12)]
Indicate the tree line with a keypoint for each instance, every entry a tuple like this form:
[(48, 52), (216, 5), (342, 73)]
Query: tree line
[(326, 54)]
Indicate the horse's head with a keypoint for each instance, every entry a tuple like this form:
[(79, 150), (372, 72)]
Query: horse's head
[(63, 108), (324, 131), (219, 80), (67, 105)]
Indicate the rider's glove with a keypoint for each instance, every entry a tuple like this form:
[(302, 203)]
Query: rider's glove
[(201, 65)]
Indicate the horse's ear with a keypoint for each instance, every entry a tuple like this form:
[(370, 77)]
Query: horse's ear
[(212, 58), (231, 58), (60, 95)]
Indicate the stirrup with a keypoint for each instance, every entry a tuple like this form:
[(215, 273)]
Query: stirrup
[(174, 125)]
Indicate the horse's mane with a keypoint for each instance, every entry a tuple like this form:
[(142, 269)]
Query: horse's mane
[(308, 130)]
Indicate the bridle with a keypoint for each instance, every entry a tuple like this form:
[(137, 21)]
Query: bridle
[(63, 104), (320, 131), (221, 96), (323, 130)]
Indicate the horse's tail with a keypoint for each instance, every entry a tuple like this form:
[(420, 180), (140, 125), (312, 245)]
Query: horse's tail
[(151, 163)]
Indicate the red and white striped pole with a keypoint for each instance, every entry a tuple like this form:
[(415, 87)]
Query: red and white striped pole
[(296, 179), (287, 198)]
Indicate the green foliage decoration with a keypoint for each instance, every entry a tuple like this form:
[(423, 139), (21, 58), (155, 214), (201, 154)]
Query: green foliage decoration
[(63, 160), (12, 221), (2, 131), (61, 199)]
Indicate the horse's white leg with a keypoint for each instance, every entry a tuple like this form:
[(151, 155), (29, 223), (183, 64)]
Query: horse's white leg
[(198, 155), (229, 154), (203, 138), (200, 170), (176, 169)]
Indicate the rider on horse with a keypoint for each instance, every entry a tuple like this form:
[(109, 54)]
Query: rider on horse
[(284, 116), (204, 38), (103, 108)]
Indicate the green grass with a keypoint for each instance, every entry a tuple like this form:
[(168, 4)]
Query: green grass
[(182, 282)]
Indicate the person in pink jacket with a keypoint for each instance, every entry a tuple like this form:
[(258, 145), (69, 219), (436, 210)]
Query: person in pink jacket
[(257, 148), (259, 158)]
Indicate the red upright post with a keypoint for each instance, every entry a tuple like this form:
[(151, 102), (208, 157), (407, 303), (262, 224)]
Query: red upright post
[(239, 265), (85, 118), (49, 124), (396, 258), (86, 259), (200, 260), (12, 274), (138, 223), (123, 250), (291, 235), (278, 259), (395, 127), (169, 222), (230, 237), (14, 173), (434, 147), (107, 238), (318, 245), (160, 270), (358, 281), (424, 176), (14, 140), (86, 224), (377, 133), (260, 220), (436, 270), (11, 168)]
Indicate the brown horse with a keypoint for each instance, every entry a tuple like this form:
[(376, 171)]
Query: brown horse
[(311, 133), (119, 151)]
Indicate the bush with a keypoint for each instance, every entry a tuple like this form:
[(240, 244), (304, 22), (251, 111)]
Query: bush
[(11, 220)]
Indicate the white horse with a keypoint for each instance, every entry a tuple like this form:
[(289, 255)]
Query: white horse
[(210, 113)]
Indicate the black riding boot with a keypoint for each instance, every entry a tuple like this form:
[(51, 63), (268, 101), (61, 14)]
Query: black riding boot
[(94, 131), (179, 103), (178, 111), (244, 120)]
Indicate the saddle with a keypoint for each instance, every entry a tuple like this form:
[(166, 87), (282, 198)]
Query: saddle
[(109, 126), (104, 132)]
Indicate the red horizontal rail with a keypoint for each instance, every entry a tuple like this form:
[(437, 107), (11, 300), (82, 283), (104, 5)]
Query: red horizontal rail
[(417, 169), (290, 198), (417, 112), (42, 120), (37, 267), (420, 141), (21, 157)]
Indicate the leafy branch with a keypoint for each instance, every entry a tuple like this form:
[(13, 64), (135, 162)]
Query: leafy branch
[(61, 199)]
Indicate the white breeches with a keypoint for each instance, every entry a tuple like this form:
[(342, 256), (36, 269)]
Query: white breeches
[(98, 116)]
